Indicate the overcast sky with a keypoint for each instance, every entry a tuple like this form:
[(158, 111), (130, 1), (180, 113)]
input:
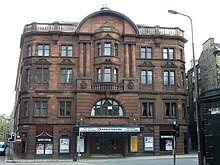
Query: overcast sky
[(15, 14)]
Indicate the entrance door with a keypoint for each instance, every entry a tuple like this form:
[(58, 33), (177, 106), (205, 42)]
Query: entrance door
[(107, 145)]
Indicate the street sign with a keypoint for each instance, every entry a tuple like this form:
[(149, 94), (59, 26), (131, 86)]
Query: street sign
[(18, 140)]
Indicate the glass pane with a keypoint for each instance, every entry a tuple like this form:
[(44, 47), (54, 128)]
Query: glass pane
[(165, 53), (149, 53), (62, 108), (40, 50), (63, 51), (166, 78), (143, 52), (69, 75), (143, 77), (70, 51), (39, 75), (171, 54), (107, 49), (107, 75), (46, 75), (149, 77)]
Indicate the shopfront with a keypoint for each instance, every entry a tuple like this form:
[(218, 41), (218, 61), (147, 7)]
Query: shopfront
[(107, 140)]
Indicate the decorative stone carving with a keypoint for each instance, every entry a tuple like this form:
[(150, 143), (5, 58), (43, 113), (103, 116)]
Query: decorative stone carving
[(130, 85), (83, 85)]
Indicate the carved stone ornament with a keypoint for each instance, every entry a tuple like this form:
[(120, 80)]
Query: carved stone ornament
[(130, 85), (83, 85)]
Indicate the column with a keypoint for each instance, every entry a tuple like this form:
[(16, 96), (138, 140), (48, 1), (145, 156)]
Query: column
[(88, 64), (81, 59), (133, 61), (126, 65)]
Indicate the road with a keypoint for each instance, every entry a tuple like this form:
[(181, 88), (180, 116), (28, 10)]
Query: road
[(114, 161)]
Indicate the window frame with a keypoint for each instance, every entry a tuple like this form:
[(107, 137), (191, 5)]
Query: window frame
[(168, 53), (66, 51), (65, 108), (68, 77), (41, 76), (169, 77), (43, 110), (170, 109), (147, 78), (148, 109), (43, 50)]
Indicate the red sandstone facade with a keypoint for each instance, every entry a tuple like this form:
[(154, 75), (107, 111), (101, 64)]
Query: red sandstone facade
[(118, 85)]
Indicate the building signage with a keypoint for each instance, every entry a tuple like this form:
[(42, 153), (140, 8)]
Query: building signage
[(109, 129), (214, 111)]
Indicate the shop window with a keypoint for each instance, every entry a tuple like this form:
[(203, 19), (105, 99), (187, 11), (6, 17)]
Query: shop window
[(107, 107), (166, 140), (44, 145)]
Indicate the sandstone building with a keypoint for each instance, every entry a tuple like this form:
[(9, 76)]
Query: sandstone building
[(118, 85)]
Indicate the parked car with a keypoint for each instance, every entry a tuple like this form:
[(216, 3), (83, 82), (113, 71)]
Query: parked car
[(2, 148)]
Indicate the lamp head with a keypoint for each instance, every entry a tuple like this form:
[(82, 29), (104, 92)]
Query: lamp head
[(173, 12)]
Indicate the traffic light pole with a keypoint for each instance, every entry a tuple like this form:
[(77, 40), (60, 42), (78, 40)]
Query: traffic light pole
[(174, 150)]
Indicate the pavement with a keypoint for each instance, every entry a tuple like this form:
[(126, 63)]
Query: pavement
[(14, 159)]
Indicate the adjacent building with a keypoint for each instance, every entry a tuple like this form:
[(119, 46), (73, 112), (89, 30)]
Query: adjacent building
[(103, 86)]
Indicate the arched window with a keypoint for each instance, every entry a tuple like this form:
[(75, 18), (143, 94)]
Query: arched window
[(107, 107)]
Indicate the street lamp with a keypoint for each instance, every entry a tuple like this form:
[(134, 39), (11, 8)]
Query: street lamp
[(196, 87)]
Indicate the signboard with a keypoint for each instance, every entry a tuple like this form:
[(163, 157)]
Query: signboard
[(80, 144), (64, 145), (109, 129), (149, 143), (134, 144), (169, 146), (18, 140), (214, 111)]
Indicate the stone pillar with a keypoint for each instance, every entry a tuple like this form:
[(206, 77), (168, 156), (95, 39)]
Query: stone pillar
[(133, 61), (126, 66), (81, 59), (88, 59)]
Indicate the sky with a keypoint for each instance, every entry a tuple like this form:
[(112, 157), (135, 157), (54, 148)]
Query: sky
[(15, 14)]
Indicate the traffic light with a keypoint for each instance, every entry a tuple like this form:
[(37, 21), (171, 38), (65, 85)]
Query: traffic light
[(12, 138), (176, 130)]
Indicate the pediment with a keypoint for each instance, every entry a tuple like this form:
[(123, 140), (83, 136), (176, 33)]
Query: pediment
[(147, 64), (66, 62), (169, 64), (42, 61)]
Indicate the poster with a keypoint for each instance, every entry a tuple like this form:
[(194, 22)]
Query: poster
[(39, 149), (134, 144), (64, 145), (80, 144), (169, 145), (48, 148), (149, 143)]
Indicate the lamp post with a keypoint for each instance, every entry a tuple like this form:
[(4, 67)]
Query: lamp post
[(200, 160)]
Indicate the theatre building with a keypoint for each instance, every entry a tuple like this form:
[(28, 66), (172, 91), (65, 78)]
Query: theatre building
[(102, 86)]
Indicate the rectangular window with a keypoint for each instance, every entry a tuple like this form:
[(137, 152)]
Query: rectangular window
[(99, 75), (65, 108), (25, 109), (170, 109), (143, 52), (99, 45), (115, 75), (107, 75), (146, 77), (149, 53), (43, 50), (169, 78), (168, 53), (42, 75), (148, 109), (29, 51), (66, 75), (41, 108), (66, 50), (27, 75), (107, 49), (115, 49)]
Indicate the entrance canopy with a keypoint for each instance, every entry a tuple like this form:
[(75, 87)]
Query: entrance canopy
[(109, 129)]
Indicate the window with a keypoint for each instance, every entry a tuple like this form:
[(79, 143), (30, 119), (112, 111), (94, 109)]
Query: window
[(66, 50), (107, 49), (115, 49), (168, 53), (148, 109), (169, 77), (65, 108), (25, 109), (107, 75), (29, 51), (43, 50), (146, 77), (107, 107), (99, 45), (146, 52), (27, 75), (41, 108), (66, 75), (42, 75), (170, 109)]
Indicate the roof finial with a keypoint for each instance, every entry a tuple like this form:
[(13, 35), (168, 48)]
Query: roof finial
[(105, 7)]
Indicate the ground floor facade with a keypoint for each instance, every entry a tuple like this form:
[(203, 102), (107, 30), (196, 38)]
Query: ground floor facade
[(54, 141)]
